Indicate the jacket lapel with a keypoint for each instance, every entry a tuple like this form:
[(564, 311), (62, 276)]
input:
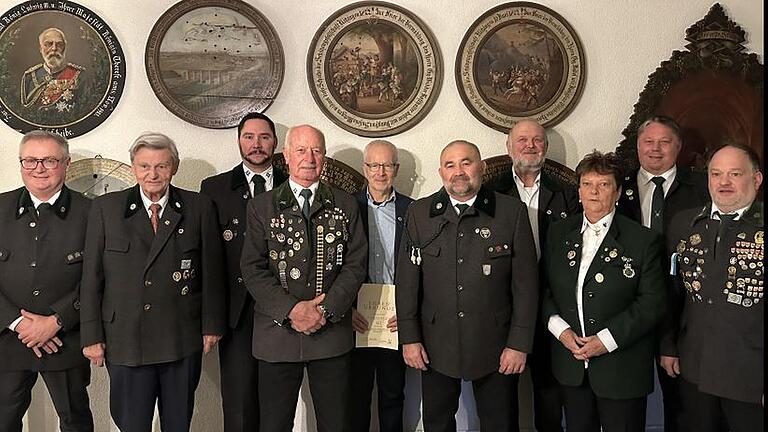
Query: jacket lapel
[(610, 243), (172, 215)]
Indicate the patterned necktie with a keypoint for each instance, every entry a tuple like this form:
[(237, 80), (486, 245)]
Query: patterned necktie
[(462, 208), (259, 184), (154, 218), (657, 205), (307, 194)]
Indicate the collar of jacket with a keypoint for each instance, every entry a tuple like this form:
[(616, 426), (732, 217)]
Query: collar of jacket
[(753, 215), (238, 179), (61, 206), (284, 198), (485, 202), (133, 202)]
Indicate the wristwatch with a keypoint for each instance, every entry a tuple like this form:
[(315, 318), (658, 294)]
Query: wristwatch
[(326, 313)]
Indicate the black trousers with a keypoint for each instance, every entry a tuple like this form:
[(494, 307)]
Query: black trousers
[(387, 367), (133, 391), (68, 393), (586, 412), (547, 397), (279, 385), (240, 376), (703, 412), (673, 405), (494, 396)]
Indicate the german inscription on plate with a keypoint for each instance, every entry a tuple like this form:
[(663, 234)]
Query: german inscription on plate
[(61, 68)]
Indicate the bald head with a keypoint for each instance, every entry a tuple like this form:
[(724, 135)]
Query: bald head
[(304, 153), (527, 146)]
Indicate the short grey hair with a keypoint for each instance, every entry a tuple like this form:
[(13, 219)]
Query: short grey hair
[(46, 135), (289, 136), (383, 143), (156, 141)]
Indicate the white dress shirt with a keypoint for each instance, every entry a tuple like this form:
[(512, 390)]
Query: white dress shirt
[(592, 237), (455, 202), (268, 174), (739, 212), (148, 202), (530, 197), (645, 188)]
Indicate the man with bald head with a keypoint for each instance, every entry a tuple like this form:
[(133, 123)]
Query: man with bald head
[(54, 81), (548, 199), (304, 259), (382, 211), (466, 298)]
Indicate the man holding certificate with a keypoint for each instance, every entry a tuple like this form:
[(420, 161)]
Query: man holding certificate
[(382, 212), (466, 294)]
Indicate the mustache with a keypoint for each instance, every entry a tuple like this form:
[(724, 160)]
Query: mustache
[(460, 177)]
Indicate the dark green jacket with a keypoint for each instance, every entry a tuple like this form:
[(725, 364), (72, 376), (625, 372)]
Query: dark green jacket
[(627, 299)]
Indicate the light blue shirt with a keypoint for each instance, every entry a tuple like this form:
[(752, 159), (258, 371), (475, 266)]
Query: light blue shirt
[(381, 239)]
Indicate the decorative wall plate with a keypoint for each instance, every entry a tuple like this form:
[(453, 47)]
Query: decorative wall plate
[(61, 68), (210, 62)]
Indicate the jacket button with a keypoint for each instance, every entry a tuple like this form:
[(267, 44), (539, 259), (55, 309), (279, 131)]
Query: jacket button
[(239, 280), (33, 264), (147, 283), (460, 260), (459, 287), (461, 314), (147, 307), (184, 290), (590, 294), (709, 301), (32, 224), (36, 293), (461, 234), (591, 321)]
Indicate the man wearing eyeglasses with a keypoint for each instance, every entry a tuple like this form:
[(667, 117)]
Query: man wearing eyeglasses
[(153, 290), (382, 211), (42, 227)]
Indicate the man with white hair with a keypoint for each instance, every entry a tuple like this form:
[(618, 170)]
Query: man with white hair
[(54, 82), (153, 290)]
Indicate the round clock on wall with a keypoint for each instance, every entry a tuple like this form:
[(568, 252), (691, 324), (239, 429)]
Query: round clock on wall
[(96, 176)]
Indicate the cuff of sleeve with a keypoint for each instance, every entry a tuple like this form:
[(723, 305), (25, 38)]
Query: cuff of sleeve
[(557, 326), (606, 338), (12, 326), (408, 331)]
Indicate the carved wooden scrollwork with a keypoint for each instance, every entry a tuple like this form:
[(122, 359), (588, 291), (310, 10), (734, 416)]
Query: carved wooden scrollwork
[(713, 90)]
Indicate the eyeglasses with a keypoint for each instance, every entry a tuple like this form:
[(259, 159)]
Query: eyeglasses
[(378, 166), (31, 163)]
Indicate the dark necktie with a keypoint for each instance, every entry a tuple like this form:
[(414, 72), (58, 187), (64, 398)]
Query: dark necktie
[(657, 205), (43, 209), (726, 221), (307, 194), (258, 184), (462, 208), (154, 217)]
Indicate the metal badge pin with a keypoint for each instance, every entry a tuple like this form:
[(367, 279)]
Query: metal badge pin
[(295, 273), (186, 264), (273, 255), (485, 232), (695, 239), (563, 215), (235, 221), (571, 254), (296, 246), (181, 230), (329, 238), (132, 206), (487, 269), (281, 237), (613, 254), (629, 272), (167, 222), (599, 278), (438, 206), (176, 276), (549, 211), (572, 263)]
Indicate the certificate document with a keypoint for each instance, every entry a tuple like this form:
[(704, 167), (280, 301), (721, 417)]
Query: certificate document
[(376, 303)]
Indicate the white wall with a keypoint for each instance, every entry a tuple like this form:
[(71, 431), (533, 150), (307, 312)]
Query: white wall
[(624, 42)]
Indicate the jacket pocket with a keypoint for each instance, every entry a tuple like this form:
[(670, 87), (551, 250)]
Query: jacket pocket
[(117, 245), (107, 314)]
